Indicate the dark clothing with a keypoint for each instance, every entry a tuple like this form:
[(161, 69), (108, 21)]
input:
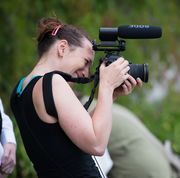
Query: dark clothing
[(0, 123), (50, 150)]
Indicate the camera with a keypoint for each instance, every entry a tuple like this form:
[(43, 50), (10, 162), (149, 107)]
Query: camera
[(112, 44), (136, 70)]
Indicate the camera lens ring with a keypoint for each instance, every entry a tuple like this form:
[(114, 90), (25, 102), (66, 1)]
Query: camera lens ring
[(146, 74)]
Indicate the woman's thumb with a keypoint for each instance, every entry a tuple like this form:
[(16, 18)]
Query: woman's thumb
[(102, 65)]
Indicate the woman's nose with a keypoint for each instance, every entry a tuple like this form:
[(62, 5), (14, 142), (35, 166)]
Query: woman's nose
[(85, 72)]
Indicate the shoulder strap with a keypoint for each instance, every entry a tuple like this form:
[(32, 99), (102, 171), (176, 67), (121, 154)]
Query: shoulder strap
[(47, 89), (48, 95)]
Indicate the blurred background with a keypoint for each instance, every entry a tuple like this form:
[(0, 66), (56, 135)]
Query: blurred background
[(157, 103)]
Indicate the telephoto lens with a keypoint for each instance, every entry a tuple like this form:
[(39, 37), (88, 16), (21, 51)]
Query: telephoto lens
[(139, 70)]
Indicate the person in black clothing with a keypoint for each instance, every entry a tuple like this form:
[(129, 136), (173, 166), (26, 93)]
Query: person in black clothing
[(58, 133)]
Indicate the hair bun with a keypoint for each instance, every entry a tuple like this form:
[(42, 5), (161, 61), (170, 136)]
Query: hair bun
[(46, 25)]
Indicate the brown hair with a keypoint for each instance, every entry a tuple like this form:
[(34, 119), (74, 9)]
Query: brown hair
[(51, 29)]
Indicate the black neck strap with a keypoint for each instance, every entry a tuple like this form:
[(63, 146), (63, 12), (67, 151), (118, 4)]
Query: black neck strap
[(96, 81), (69, 78)]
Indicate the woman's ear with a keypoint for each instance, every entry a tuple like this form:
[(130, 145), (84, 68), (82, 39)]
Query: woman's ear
[(61, 47)]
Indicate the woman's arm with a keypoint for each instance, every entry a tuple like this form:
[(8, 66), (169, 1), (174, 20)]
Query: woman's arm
[(90, 134)]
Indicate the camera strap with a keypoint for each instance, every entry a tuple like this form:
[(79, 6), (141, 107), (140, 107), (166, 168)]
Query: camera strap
[(95, 83)]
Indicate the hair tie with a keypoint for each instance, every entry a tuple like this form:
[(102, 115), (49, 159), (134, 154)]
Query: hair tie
[(54, 32)]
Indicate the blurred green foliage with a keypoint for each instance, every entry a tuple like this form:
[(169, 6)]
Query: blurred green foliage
[(18, 19)]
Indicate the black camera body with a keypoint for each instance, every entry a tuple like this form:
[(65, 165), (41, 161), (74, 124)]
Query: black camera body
[(112, 45)]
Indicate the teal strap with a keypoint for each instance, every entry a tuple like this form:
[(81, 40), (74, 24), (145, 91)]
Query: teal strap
[(19, 88)]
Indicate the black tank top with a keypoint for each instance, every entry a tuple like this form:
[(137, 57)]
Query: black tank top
[(52, 153)]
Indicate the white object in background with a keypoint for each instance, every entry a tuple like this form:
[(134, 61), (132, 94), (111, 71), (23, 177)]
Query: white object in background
[(105, 162)]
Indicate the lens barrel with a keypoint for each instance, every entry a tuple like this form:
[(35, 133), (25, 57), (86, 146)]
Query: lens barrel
[(139, 70)]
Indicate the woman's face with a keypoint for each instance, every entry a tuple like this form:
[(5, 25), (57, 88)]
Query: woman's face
[(77, 61)]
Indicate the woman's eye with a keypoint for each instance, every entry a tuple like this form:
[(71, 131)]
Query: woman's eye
[(86, 61)]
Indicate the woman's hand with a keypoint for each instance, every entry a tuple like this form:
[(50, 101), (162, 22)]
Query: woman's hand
[(115, 74), (127, 87), (8, 158)]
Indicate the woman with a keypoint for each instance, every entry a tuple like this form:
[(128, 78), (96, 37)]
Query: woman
[(60, 143)]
